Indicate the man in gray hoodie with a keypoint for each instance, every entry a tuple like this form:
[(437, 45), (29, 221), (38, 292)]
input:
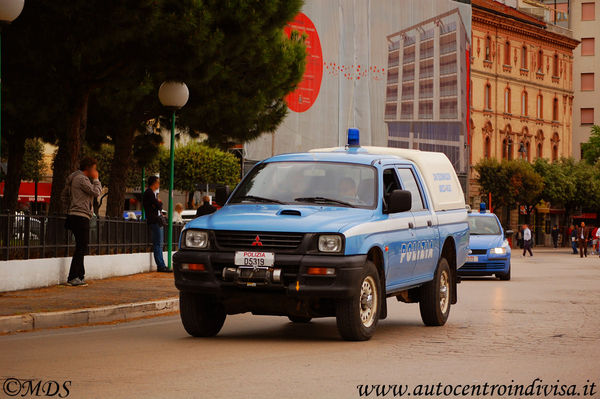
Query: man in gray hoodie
[(81, 188)]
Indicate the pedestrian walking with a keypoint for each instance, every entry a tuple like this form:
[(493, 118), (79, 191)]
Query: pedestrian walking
[(81, 188), (527, 240), (156, 222), (573, 234), (555, 233), (582, 239), (598, 240), (206, 208), (594, 238)]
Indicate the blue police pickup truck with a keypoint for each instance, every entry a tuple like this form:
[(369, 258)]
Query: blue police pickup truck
[(328, 233)]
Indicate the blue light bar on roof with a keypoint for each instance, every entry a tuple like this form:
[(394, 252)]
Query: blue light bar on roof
[(353, 137)]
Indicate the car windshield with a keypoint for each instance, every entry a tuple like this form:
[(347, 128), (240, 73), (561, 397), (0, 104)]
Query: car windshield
[(484, 226), (321, 183)]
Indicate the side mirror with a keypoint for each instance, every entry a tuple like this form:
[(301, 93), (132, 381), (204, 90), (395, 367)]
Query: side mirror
[(399, 201), (508, 233)]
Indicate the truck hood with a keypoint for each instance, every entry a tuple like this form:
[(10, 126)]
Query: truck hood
[(282, 218)]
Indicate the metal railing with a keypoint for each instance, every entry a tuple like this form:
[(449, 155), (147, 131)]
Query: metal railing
[(33, 237)]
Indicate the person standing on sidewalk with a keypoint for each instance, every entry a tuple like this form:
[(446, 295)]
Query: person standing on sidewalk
[(527, 240), (573, 234), (155, 220), (206, 208), (555, 232), (81, 188), (582, 239)]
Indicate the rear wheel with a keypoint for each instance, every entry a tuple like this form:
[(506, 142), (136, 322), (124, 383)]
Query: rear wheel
[(436, 296), (357, 317), (299, 319), (202, 316)]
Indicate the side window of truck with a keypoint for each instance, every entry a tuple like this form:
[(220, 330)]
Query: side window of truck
[(410, 183), (390, 183)]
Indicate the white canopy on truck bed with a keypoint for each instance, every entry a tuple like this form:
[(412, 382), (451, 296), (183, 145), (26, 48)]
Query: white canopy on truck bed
[(435, 168)]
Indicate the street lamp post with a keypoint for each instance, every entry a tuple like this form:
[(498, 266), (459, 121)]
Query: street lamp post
[(9, 11), (172, 95)]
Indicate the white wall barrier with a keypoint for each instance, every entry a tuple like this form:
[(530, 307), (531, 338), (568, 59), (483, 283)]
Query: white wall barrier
[(36, 273)]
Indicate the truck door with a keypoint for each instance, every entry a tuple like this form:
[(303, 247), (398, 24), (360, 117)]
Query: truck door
[(425, 230), (399, 237)]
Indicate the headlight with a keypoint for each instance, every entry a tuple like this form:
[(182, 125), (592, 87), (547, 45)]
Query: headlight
[(195, 239), (498, 251), (330, 243)]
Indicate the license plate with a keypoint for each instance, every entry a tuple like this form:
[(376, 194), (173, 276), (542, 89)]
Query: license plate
[(254, 259), (472, 259)]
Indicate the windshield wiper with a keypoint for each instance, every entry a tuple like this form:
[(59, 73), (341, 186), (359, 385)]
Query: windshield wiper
[(325, 200), (260, 199)]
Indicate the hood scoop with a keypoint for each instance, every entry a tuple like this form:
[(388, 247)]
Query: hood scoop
[(290, 212)]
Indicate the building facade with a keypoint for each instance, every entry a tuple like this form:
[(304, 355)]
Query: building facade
[(584, 20), (426, 88), (521, 87)]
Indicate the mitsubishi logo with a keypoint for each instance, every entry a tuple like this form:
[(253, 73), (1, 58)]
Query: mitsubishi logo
[(257, 242)]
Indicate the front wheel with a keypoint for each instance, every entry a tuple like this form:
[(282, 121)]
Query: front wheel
[(504, 276), (436, 296), (357, 317), (201, 316)]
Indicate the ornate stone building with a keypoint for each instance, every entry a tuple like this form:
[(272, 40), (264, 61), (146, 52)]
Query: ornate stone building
[(521, 87)]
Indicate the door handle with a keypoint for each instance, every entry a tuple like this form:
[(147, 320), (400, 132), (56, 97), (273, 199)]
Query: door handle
[(411, 225), (429, 223)]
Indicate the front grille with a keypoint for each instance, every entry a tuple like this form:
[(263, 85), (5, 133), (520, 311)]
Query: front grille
[(258, 240), (483, 266), (478, 251)]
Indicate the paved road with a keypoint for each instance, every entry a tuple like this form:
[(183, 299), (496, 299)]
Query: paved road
[(544, 323)]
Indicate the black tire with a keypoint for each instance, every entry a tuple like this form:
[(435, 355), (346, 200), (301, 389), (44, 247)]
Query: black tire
[(201, 316), (505, 276), (349, 311), (434, 312), (299, 319)]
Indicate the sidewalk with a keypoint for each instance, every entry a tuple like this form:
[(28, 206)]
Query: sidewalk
[(102, 301)]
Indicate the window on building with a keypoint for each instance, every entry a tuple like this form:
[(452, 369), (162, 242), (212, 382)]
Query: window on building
[(555, 71), (507, 53), (524, 57), (488, 48), (554, 152), (587, 81), (539, 153), (509, 149), (587, 116), (555, 109), (588, 11), (487, 147), (540, 107), (507, 100), (540, 61), (524, 103), (528, 151), (487, 96), (587, 46)]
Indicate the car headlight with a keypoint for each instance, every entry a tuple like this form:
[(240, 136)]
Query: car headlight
[(195, 239), (330, 243), (498, 251)]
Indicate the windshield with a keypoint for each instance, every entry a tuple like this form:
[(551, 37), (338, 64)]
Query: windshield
[(484, 226), (322, 183)]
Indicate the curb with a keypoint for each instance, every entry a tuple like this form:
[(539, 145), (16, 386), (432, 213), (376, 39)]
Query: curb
[(88, 316)]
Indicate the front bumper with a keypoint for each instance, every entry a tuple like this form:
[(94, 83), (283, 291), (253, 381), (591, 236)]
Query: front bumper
[(486, 265), (295, 282)]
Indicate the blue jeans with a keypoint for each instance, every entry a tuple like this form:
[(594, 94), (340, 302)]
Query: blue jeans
[(157, 245)]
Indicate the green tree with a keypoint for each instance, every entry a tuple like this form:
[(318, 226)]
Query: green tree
[(493, 180), (525, 184), (33, 160), (559, 184), (198, 164), (591, 149)]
